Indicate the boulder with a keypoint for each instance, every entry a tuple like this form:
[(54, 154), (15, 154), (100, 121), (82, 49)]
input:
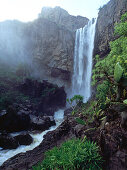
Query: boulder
[(14, 121), (8, 142), (50, 97), (24, 139), (41, 124)]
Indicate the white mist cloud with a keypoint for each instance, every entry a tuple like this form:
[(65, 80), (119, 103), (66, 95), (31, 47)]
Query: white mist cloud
[(27, 10), (24, 10)]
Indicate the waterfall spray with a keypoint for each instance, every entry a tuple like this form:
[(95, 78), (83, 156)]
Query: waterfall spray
[(84, 44)]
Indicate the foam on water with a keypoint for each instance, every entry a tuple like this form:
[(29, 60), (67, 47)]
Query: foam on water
[(37, 139)]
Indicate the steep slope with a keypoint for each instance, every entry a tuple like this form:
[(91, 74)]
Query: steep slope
[(108, 16), (46, 43), (63, 18)]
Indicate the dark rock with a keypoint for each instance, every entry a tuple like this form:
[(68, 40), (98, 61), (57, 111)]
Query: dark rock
[(51, 97), (68, 111), (24, 139), (8, 142), (41, 123), (14, 121), (21, 120), (51, 139), (118, 161)]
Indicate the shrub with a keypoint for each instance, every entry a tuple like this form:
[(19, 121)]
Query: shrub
[(75, 101), (112, 68), (73, 154)]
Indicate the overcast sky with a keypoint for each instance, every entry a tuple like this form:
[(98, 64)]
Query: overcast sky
[(27, 10)]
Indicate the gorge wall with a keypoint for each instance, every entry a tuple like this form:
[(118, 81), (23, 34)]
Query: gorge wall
[(47, 43), (108, 16)]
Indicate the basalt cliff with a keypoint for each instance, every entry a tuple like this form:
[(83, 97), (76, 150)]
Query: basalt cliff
[(108, 16), (47, 43)]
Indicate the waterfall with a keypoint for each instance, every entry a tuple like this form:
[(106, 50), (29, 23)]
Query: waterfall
[(84, 44)]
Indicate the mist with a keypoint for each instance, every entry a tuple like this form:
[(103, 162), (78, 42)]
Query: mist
[(16, 45)]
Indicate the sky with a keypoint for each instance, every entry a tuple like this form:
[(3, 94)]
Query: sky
[(28, 10)]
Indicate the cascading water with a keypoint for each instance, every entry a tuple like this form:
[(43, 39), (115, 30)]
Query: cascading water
[(37, 139), (84, 44)]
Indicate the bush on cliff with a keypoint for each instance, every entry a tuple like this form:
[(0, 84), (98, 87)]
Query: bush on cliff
[(103, 73), (73, 154)]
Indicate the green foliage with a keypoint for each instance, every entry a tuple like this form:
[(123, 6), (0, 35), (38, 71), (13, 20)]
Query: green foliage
[(75, 101), (121, 29), (80, 121), (118, 72), (76, 98), (47, 90), (71, 155), (8, 87), (107, 71), (10, 97), (102, 91), (124, 17), (125, 101)]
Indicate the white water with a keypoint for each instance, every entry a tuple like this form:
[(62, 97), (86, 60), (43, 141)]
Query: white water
[(37, 139), (84, 44)]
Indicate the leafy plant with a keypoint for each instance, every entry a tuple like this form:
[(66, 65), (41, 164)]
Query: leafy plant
[(125, 101), (110, 73), (71, 155), (118, 72), (75, 101), (80, 121)]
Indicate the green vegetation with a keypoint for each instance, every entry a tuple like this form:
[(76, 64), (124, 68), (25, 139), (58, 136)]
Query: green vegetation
[(110, 73), (71, 155), (75, 102), (9, 81), (76, 99), (47, 91), (11, 97)]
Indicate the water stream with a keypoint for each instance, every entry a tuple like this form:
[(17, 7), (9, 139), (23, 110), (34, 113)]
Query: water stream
[(37, 139), (84, 44)]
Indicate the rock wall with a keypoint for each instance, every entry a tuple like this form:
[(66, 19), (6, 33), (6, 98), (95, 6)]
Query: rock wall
[(108, 16), (63, 18), (52, 49), (47, 43)]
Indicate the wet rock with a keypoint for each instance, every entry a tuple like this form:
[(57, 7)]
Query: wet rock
[(50, 97), (16, 121), (68, 111), (42, 124), (24, 139), (118, 161), (8, 142), (51, 139), (124, 120)]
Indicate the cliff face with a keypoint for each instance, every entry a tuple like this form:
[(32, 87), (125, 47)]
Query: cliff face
[(48, 42), (63, 18), (52, 48), (108, 16)]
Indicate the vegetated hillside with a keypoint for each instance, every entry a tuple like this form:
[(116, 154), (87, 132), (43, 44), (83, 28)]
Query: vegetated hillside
[(109, 15), (46, 44), (103, 119)]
